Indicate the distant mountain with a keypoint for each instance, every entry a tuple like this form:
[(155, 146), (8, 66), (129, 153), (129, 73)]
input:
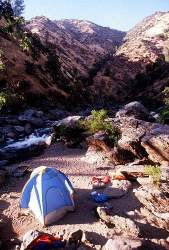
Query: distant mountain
[(139, 68), (76, 62), (147, 40), (80, 44)]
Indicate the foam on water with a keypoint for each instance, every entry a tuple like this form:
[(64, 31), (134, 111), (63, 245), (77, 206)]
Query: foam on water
[(31, 140)]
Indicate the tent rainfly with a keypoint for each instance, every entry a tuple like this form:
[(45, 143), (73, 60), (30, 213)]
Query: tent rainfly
[(48, 194)]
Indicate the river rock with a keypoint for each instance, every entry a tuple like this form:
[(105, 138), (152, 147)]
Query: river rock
[(19, 129), (57, 114), (28, 128), (12, 120), (12, 135), (121, 243), (32, 116)]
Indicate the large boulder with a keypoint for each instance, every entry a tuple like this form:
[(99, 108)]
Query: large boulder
[(69, 131), (156, 143), (100, 148), (69, 121), (134, 109), (100, 141), (144, 139), (97, 157), (132, 130)]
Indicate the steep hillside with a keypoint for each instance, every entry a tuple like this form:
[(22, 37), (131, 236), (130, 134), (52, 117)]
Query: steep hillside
[(81, 44), (73, 62), (147, 40), (139, 69), (31, 72)]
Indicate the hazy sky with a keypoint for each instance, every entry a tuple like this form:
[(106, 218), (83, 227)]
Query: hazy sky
[(119, 14)]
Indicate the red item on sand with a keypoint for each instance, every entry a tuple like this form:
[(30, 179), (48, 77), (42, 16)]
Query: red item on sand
[(45, 240), (104, 179)]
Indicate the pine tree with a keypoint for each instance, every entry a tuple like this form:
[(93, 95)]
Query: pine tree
[(18, 7)]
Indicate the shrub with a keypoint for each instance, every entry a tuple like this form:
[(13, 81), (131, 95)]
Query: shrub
[(2, 65), (8, 98), (153, 171), (2, 100), (98, 122), (25, 43), (164, 116)]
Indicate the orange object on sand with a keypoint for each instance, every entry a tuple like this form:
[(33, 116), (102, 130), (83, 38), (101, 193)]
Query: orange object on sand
[(119, 177)]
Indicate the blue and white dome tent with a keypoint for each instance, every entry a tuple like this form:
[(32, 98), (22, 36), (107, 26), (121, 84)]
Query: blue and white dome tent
[(48, 194)]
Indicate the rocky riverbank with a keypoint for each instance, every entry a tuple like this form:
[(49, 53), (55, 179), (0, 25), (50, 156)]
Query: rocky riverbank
[(138, 212)]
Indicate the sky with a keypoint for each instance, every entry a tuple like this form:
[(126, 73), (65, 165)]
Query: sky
[(118, 14)]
